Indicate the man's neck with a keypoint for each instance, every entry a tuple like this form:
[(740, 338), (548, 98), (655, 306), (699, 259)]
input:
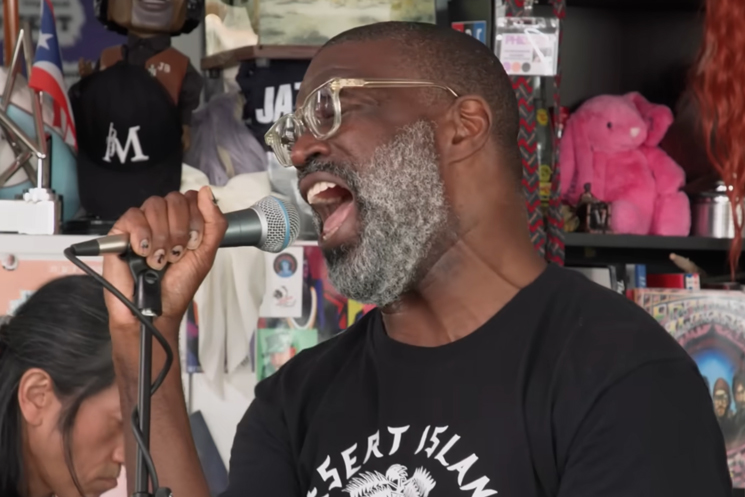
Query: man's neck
[(466, 287)]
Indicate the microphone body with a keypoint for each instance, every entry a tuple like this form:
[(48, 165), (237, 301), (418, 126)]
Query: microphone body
[(270, 225), (245, 228)]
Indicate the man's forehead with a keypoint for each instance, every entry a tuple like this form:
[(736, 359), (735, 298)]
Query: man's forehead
[(355, 59)]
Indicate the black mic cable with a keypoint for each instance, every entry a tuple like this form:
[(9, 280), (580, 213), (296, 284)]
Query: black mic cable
[(147, 322)]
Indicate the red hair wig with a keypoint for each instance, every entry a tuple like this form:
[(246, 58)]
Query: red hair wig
[(719, 86)]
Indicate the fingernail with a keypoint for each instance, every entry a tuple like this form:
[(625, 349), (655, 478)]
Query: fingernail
[(145, 245), (193, 239), (160, 257), (176, 251)]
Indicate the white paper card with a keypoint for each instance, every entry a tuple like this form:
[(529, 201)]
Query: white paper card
[(284, 284), (528, 46)]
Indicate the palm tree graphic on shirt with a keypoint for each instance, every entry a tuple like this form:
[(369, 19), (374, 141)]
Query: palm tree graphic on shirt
[(395, 483)]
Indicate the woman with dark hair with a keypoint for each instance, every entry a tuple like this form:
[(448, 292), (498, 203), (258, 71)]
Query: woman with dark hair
[(60, 422)]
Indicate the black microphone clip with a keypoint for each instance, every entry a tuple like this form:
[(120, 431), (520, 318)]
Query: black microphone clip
[(148, 295)]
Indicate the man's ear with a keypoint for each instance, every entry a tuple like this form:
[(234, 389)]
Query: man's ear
[(36, 397), (470, 126)]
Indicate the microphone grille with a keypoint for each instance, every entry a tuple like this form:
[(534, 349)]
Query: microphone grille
[(283, 223)]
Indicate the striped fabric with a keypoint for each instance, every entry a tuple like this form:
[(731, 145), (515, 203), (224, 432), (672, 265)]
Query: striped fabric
[(547, 234), (555, 222)]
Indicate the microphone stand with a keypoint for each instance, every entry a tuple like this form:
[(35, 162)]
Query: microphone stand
[(148, 300)]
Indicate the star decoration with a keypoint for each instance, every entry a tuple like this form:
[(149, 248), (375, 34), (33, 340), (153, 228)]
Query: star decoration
[(43, 39)]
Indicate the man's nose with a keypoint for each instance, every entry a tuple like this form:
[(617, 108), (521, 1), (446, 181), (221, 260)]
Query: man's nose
[(306, 147)]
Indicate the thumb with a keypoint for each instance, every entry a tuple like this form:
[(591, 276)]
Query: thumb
[(215, 224)]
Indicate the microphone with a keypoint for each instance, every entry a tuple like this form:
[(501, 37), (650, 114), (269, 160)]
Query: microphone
[(269, 225)]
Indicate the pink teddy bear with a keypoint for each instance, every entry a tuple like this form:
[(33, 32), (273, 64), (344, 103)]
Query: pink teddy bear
[(611, 142)]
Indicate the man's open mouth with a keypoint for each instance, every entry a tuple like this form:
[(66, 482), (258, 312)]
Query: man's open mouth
[(333, 203)]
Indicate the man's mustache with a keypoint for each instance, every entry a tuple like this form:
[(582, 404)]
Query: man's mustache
[(321, 166)]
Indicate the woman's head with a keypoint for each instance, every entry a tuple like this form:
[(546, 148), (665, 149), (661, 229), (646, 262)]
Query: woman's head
[(60, 423)]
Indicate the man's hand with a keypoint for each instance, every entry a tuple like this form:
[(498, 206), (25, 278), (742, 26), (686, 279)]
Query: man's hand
[(183, 230)]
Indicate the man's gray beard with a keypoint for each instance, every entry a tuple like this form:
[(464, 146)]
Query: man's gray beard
[(401, 202)]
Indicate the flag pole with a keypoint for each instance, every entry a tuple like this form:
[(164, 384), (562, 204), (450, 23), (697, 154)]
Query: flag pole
[(11, 25), (42, 159)]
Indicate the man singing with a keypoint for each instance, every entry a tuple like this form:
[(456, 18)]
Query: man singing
[(484, 372)]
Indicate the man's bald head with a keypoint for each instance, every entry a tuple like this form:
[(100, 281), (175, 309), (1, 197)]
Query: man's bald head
[(452, 58)]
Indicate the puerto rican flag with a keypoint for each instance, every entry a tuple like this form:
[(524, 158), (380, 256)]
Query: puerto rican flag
[(46, 73)]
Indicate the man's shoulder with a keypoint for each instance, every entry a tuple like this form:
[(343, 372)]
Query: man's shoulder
[(593, 341), (316, 367), (584, 306), (604, 334)]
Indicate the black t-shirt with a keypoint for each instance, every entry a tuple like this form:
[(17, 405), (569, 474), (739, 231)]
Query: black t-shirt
[(570, 390)]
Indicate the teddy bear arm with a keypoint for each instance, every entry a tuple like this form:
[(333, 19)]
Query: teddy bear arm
[(668, 175)]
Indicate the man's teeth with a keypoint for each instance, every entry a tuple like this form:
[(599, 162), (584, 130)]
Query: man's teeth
[(316, 189), (328, 234)]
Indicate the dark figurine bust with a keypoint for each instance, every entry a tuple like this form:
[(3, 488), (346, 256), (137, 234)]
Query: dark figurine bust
[(149, 26)]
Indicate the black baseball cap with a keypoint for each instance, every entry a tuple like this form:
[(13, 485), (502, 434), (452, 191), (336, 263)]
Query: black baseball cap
[(129, 140), (254, 80)]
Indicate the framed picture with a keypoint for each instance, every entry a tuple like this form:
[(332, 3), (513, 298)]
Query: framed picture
[(313, 22)]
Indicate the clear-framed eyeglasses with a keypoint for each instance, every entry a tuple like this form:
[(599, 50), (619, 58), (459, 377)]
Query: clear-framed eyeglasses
[(321, 112)]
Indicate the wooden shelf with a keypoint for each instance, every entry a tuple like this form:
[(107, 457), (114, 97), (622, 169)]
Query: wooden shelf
[(635, 242), (643, 5), (234, 57)]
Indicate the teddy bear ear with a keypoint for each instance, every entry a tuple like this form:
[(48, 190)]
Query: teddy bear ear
[(658, 117)]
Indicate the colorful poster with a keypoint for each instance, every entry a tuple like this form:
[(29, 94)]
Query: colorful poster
[(192, 339), (79, 32), (324, 309), (324, 314), (710, 325), (274, 347)]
